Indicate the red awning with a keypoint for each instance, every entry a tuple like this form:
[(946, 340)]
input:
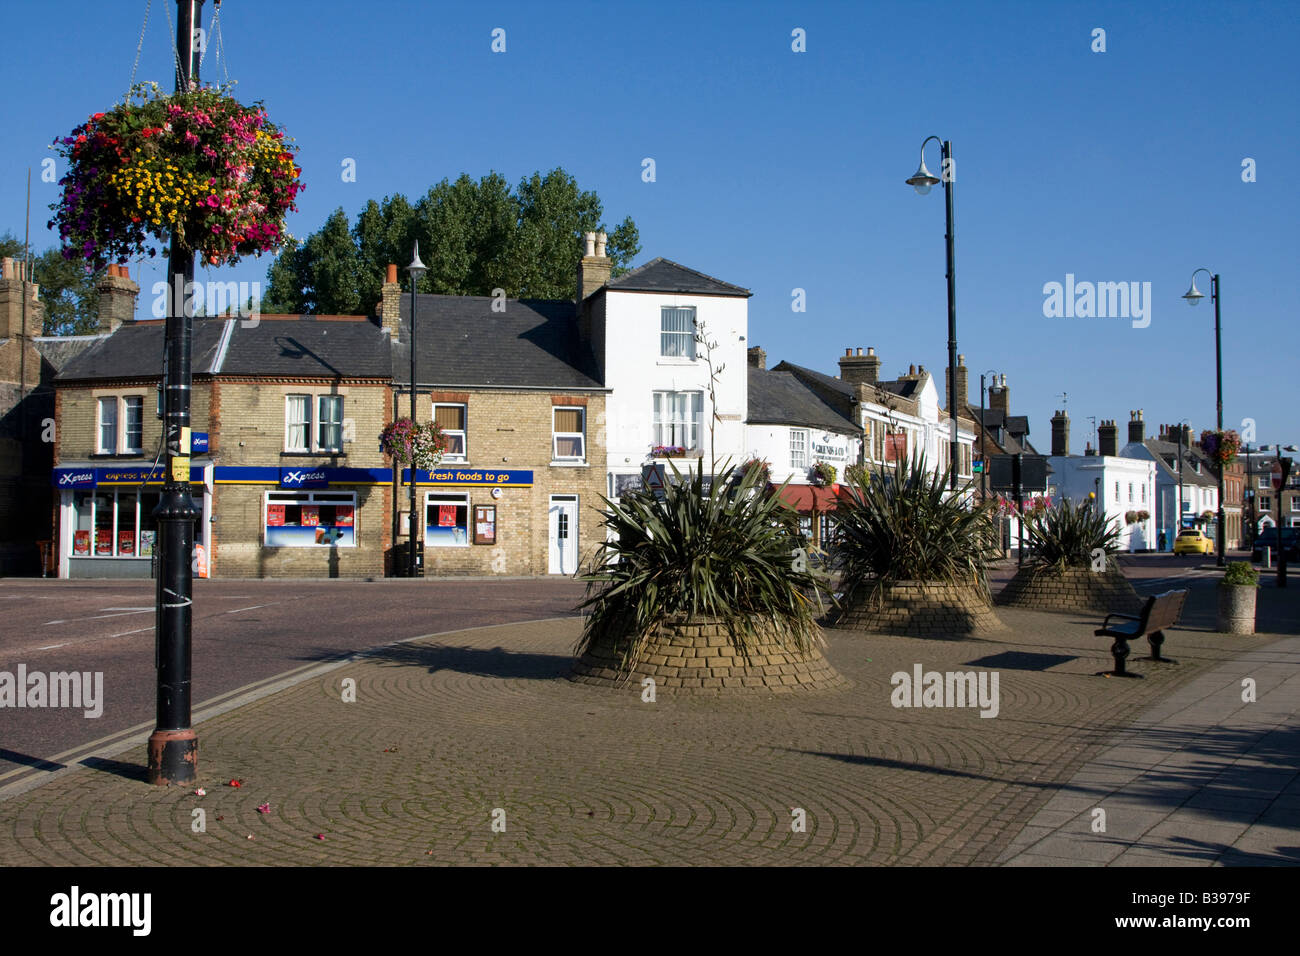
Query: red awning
[(806, 499)]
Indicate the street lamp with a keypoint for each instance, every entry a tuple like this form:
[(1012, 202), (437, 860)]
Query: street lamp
[(1193, 297), (921, 181), (984, 443), (416, 269)]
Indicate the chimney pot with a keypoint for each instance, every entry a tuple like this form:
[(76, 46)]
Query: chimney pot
[(848, 351), (391, 276), (590, 239), (601, 239)]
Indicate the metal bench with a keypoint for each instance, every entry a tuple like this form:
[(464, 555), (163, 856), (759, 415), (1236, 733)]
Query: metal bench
[(1160, 612)]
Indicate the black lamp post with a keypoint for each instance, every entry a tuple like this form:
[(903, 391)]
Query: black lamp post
[(173, 748), (416, 269), (984, 441), (1193, 297), (922, 180)]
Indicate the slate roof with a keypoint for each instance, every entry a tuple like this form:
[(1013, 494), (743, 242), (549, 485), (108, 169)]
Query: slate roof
[(664, 275), (827, 381), (135, 350), (780, 398), (59, 350), (461, 341), (306, 347), (1163, 450)]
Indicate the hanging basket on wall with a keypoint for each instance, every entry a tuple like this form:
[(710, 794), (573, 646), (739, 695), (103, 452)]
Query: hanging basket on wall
[(197, 163)]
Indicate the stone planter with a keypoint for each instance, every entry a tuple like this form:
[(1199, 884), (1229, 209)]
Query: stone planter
[(698, 658), (1236, 609), (1074, 589), (924, 609)]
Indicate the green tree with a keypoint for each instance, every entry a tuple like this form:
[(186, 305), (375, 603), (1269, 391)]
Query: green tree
[(67, 289), (475, 237)]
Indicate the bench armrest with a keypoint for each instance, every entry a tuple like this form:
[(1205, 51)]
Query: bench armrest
[(1126, 617)]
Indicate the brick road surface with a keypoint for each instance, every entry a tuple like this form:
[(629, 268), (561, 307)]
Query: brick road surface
[(445, 731)]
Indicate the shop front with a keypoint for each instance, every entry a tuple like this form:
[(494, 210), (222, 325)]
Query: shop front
[(107, 528)]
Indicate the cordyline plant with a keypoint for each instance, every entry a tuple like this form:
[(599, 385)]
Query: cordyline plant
[(195, 163), (729, 554), (1066, 536), (407, 443), (903, 524)]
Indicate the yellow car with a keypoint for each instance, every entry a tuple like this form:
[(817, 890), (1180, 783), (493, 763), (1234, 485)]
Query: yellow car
[(1192, 541)]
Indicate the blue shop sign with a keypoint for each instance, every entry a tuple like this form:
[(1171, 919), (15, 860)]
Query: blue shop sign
[(478, 477), (199, 443), (91, 477)]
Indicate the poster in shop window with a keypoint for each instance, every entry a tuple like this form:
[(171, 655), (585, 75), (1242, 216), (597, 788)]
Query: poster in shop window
[(310, 516), (446, 516), (146, 543), (485, 524), (275, 516), (343, 516), (126, 543), (103, 542), (81, 544)]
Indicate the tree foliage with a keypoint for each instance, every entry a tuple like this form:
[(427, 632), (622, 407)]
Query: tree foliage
[(475, 237), (67, 289)]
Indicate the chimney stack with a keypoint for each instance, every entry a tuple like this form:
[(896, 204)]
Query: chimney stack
[(1136, 427), (14, 288), (1089, 451), (1108, 439), (117, 295), (860, 369), (757, 357), (595, 267), (1061, 433), (963, 384), (1000, 396), (389, 308)]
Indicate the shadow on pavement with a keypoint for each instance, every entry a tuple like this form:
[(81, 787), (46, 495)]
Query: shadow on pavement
[(481, 661)]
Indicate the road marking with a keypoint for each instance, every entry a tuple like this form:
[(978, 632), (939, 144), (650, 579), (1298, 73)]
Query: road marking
[(136, 631), (74, 620), (252, 608), (149, 608), (50, 647)]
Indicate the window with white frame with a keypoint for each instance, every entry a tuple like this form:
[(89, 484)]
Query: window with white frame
[(451, 419), (1295, 503), (1130, 492), (677, 332), (297, 423), (677, 419), (120, 425), (569, 433), (114, 523), (329, 422), (799, 448), (310, 519), (313, 423)]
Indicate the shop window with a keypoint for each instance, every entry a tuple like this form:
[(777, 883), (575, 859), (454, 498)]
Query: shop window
[(451, 419), (114, 523), (301, 519), (568, 434), (446, 521)]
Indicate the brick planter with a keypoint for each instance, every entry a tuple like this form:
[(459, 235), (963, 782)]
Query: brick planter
[(924, 609), (1074, 589), (698, 658)]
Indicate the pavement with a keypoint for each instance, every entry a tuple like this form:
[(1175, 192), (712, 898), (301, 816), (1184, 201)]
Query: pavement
[(473, 748)]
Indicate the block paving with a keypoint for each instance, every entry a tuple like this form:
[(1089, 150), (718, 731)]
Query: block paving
[(448, 734)]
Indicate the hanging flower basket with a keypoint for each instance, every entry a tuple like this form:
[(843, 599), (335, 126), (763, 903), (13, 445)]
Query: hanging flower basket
[(421, 445), (1221, 447), (823, 473), (197, 163)]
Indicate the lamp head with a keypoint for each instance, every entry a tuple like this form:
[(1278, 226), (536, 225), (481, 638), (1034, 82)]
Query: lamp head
[(416, 268), (922, 179), (1193, 295)]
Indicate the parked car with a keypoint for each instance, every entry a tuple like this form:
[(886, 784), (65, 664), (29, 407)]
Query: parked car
[(1268, 539), (1193, 541)]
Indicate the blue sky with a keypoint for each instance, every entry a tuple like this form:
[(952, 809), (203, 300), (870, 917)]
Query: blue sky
[(779, 170)]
